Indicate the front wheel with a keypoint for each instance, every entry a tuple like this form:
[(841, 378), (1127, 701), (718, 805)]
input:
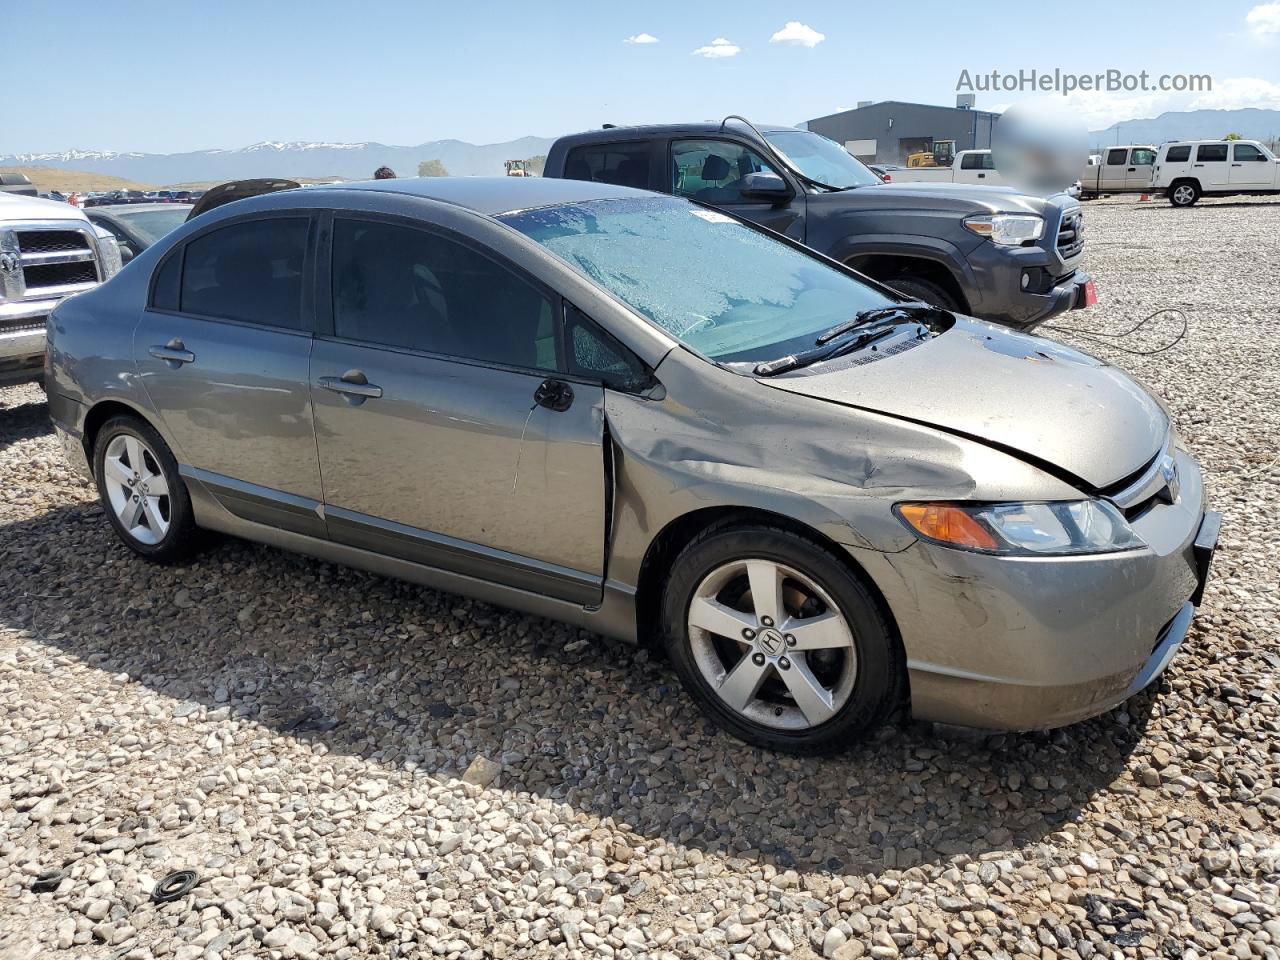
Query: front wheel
[(1184, 194), (925, 291), (778, 641), (141, 491)]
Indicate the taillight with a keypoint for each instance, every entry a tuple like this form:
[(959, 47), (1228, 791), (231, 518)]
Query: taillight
[(886, 178)]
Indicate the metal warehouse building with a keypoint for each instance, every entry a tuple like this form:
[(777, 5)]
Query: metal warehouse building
[(887, 132)]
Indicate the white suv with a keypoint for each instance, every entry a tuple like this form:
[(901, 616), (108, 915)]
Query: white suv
[(1186, 170)]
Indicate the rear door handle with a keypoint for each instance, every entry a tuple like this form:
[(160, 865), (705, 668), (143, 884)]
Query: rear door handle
[(1236, 164), (174, 353), (353, 385), (1133, 169)]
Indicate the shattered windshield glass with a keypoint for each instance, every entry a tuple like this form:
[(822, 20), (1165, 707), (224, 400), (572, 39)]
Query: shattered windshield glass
[(728, 291)]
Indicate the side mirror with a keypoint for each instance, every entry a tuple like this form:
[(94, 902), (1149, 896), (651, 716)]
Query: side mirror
[(126, 253), (766, 186)]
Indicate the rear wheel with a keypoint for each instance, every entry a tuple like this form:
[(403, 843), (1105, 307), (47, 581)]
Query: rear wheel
[(142, 492), (777, 640), (1184, 194), (926, 291)]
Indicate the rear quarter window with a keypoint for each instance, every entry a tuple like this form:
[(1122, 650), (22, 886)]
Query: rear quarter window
[(622, 164)]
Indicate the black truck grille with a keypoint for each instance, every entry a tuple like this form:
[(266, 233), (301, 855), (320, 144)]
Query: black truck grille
[(1071, 236), (52, 241), (37, 275)]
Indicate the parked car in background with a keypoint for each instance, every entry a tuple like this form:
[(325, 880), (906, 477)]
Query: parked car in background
[(17, 183), (1121, 169), (991, 253), (136, 226), (1187, 170), (647, 417), (968, 166), (48, 251)]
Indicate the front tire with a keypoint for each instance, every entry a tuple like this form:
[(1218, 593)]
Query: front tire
[(142, 492), (778, 641), (926, 291), (1184, 194)]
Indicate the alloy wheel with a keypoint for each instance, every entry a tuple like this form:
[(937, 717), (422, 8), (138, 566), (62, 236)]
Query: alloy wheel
[(1183, 195), (137, 489), (772, 644)]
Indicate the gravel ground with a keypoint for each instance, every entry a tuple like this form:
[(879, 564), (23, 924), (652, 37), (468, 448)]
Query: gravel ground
[(359, 767)]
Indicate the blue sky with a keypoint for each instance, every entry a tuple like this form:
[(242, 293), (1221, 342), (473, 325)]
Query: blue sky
[(172, 75)]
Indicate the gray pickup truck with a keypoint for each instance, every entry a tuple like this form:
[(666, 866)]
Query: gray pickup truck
[(989, 252)]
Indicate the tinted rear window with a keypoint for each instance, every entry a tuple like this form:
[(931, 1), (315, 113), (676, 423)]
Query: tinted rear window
[(251, 272), (623, 164), (1178, 155), (1211, 153)]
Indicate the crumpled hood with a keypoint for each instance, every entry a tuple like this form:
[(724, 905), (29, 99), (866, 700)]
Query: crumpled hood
[(1019, 392)]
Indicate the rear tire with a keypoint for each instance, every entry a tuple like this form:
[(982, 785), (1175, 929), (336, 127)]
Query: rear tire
[(926, 291), (1184, 193), (142, 492), (808, 670)]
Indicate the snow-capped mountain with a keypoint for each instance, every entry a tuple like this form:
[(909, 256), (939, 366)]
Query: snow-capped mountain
[(273, 158)]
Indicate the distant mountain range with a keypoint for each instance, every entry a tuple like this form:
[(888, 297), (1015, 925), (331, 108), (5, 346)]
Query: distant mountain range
[(1251, 123), (295, 159)]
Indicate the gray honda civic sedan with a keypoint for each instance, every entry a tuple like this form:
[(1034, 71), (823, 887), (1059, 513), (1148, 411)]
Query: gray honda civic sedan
[(648, 419)]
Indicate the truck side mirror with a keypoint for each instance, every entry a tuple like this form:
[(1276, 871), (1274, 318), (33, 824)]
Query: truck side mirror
[(766, 186)]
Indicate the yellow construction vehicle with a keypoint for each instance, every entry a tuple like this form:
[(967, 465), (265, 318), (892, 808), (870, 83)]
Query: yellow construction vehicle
[(942, 155), (518, 168)]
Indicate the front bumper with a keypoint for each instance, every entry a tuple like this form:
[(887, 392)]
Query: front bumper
[(22, 337), (999, 295), (1022, 643)]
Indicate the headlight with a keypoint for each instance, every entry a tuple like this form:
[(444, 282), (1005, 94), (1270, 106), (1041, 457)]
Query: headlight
[(1023, 529), (1006, 228), (108, 254)]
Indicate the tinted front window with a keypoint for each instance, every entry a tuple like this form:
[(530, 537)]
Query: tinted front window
[(1246, 152), (977, 161), (820, 159), (402, 287), (725, 289), (712, 170), (1211, 153), (623, 164), (1178, 154), (250, 272)]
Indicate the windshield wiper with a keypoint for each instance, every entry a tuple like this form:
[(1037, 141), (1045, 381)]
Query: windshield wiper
[(807, 357), (863, 317)]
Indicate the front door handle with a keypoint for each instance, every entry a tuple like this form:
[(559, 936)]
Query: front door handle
[(554, 395), (174, 353), (1133, 169), (353, 385)]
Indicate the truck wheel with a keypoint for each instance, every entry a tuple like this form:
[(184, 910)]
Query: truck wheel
[(925, 290), (777, 641), (1184, 193)]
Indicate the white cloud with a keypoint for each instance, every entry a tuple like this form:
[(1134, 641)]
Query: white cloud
[(1233, 93), (799, 34), (1098, 109), (1264, 20), (719, 47), (641, 38)]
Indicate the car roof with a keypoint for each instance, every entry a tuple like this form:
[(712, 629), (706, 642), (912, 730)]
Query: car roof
[(646, 131), (108, 209), (489, 195)]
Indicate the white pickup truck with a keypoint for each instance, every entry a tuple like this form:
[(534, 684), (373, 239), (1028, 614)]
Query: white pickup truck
[(1120, 169), (1186, 170), (48, 251), (969, 166)]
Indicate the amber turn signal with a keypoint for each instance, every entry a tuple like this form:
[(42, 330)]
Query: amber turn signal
[(947, 524)]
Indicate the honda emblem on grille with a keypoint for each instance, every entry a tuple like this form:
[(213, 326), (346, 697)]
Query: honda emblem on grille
[(1169, 470), (9, 262)]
